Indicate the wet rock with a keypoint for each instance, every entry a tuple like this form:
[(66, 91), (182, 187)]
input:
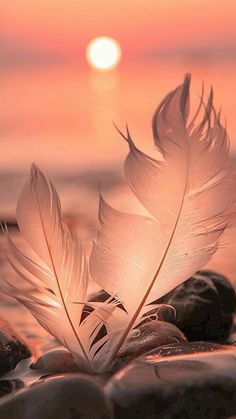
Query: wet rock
[(72, 396), (232, 337), (188, 348), (55, 361), (12, 347), (190, 380), (225, 289), (148, 336), (204, 306), (8, 386)]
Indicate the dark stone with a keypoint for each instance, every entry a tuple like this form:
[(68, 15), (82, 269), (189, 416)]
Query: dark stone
[(72, 396), (148, 336), (190, 380), (232, 337), (187, 348), (12, 347), (204, 306), (55, 361), (224, 288), (8, 386)]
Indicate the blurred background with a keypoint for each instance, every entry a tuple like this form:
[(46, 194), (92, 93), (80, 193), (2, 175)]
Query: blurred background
[(57, 109)]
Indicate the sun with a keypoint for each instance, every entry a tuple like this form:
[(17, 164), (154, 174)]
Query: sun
[(103, 53)]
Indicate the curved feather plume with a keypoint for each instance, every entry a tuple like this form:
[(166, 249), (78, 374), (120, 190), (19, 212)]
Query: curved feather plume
[(189, 196), (55, 270)]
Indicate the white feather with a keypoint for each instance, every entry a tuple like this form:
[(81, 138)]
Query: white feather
[(189, 197), (55, 270)]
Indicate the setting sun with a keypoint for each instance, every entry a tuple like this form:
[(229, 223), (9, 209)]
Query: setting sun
[(103, 53)]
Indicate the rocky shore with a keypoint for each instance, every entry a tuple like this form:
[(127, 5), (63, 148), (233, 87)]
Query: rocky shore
[(177, 366)]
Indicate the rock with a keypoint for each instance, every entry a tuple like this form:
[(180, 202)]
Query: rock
[(55, 361), (204, 307), (232, 337), (8, 386), (225, 289), (72, 396), (148, 336), (228, 298), (187, 348), (190, 380), (12, 347)]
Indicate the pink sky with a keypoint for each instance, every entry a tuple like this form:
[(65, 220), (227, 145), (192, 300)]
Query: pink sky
[(63, 27)]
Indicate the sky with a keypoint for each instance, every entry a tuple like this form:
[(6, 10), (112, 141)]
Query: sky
[(55, 29), (64, 101)]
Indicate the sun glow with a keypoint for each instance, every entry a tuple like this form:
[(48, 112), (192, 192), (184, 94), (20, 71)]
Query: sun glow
[(103, 53)]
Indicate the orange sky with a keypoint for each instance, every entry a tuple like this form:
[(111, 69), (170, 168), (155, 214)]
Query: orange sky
[(63, 27)]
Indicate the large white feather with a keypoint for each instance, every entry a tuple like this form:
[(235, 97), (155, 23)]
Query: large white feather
[(55, 270), (190, 199)]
